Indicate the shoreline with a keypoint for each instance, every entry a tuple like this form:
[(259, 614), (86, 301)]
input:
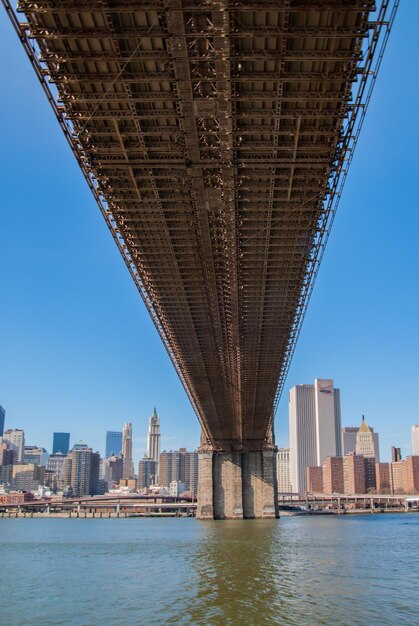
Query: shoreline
[(15, 515)]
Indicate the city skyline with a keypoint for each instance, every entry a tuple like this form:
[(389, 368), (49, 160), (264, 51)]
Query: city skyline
[(61, 352)]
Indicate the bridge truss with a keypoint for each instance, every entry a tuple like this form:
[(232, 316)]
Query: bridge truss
[(216, 137)]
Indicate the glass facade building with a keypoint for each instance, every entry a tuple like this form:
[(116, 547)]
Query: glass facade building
[(61, 443), (113, 443)]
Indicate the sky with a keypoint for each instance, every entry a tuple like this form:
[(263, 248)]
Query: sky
[(78, 351)]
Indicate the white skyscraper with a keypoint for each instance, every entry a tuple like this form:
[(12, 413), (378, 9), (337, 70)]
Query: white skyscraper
[(153, 437), (415, 440), (283, 470), (16, 438), (127, 450), (314, 412), (367, 442)]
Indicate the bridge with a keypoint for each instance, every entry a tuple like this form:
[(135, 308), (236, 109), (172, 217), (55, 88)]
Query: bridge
[(215, 136)]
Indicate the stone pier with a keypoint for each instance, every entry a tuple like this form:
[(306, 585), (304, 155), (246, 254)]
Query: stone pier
[(237, 485)]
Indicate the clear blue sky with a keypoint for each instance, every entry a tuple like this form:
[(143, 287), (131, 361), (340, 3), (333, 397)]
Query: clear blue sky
[(78, 351)]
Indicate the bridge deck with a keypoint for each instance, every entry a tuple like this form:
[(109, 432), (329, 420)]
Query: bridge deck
[(214, 136)]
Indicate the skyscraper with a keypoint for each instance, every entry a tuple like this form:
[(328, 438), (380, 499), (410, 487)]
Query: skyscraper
[(191, 471), (314, 412), (113, 443), (415, 440), (283, 470), (349, 439), (147, 470), (396, 454), (84, 471), (172, 467), (36, 455), (16, 437), (60, 443), (2, 418), (127, 450), (367, 442), (153, 437)]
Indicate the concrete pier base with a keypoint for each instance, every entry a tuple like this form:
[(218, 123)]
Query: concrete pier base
[(237, 485)]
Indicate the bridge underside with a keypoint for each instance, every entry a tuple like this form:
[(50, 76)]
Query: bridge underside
[(214, 136)]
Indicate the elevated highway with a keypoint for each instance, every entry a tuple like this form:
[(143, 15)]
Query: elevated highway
[(216, 137)]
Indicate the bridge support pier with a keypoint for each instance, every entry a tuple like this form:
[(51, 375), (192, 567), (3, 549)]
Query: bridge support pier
[(237, 485)]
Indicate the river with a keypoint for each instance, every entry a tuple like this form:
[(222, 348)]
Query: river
[(331, 570)]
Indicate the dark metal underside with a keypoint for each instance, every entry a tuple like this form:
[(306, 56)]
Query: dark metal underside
[(216, 137)]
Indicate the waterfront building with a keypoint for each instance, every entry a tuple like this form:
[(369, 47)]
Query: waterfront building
[(84, 468), (369, 472), (191, 472), (7, 459), (153, 440), (396, 454), (127, 450), (383, 477), (2, 418), (113, 446), (27, 476), (60, 443), (114, 468), (314, 479), (147, 473), (348, 439), (16, 438), (367, 442), (415, 440), (172, 467), (411, 473), (353, 474), (129, 483), (333, 480), (398, 477), (283, 470), (35, 454), (315, 424), (176, 488), (7, 454), (55, 465)]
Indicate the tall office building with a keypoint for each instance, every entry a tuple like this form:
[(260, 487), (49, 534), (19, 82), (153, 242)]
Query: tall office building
[(191, 472), (60, 443), (314, 412), (415, 440), (27, 476), (367, 442), (172, 467), (147, 473), (84, 477), (283, 470), (127, 450), (16, 438), (7, 459), (55, 465), (348, 439), (153, 438), (36, 455), (396, 454), (2, 418), (113, 443)]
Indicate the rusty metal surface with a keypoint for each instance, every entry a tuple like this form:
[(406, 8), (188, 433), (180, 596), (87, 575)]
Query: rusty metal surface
[(215, 137)]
